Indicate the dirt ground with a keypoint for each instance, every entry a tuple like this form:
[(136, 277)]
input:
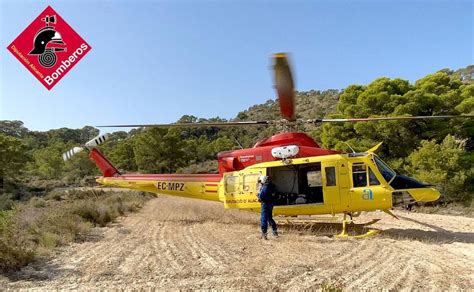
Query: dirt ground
[(181, 243)]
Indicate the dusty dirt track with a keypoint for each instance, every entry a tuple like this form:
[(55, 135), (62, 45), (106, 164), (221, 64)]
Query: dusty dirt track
[(179, 243)]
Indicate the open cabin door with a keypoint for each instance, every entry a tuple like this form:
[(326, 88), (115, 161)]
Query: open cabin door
[(240, 188)]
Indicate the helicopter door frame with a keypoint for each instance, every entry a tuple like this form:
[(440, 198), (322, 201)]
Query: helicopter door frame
[(243, 191), (330, 179), (368, 191)]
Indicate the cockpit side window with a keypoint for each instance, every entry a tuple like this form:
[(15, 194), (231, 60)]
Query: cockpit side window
[(387, 173), (373, 180), (359, 175)]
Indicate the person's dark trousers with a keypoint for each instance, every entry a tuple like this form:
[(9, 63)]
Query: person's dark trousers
[(267, 217)]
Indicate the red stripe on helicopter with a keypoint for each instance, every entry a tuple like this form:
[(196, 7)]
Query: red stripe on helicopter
[(171, 177)]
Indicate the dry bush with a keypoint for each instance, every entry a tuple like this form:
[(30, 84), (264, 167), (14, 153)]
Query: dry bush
[(33, 229), (192, 211), (16, 247), (37, 202), (455, 209), (6, 203), (98, 214), (37, 183), (208, 166), (331, 287), (54, 195), (66, 225), (100, 208)]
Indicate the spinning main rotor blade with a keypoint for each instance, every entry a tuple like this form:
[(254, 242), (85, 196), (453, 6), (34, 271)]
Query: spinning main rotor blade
[(283, 122), (284, 86), (355, 120), (186, 125)]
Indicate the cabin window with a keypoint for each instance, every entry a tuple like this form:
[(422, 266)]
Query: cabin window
[(231, 184), (373, 180), (250, 182), (330, 176), (314, 178), (359, 175)]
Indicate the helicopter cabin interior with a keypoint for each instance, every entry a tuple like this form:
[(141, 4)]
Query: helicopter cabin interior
[(298, 184)]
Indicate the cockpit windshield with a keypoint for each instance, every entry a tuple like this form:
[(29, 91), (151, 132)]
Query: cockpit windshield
[(387, 173)]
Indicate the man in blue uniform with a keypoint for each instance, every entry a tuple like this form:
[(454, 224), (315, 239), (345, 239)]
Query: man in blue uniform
[(265, 196)]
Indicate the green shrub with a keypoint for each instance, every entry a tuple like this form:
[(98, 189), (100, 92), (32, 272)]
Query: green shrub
[(31, 230), (16, 248), (6, 203), (62, 223), (54, 196), (83, 194), (331, 287), (447, 165), (38, 202), (49, 240), (94, 212)]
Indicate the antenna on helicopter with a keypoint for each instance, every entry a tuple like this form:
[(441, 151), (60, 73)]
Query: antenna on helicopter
[(238, 143), (350, 147)]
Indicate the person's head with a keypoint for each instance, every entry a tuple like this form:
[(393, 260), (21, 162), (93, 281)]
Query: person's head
[(263, 179)]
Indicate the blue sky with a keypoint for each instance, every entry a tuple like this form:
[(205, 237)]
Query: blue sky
[(154, 61)]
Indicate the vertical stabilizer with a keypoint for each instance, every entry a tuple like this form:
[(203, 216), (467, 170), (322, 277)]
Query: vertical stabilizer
[(105, 166)]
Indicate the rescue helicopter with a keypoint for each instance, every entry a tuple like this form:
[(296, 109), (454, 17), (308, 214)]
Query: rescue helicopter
[(309, 180)]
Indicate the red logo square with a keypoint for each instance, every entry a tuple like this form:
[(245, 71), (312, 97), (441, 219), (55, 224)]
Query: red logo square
[(49, 47)]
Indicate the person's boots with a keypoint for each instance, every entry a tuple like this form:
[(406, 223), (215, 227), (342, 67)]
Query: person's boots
[(275, 233), (264, 236)]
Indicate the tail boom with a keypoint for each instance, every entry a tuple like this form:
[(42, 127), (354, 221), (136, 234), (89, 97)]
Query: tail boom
[(196, 186)]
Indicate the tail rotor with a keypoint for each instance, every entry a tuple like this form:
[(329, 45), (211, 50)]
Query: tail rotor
[(89, 146), (71, 152)]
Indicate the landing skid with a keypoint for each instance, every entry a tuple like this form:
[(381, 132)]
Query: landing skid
[(318, 224), (348, 223)]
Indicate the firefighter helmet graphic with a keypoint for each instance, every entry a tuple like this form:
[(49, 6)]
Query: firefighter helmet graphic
[(43, 40)]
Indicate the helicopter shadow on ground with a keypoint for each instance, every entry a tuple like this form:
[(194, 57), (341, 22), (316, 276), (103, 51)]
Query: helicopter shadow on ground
[(437, 235), (328, 229)]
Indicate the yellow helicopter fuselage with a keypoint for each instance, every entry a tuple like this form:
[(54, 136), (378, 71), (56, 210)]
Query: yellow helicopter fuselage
[(330, 184)]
